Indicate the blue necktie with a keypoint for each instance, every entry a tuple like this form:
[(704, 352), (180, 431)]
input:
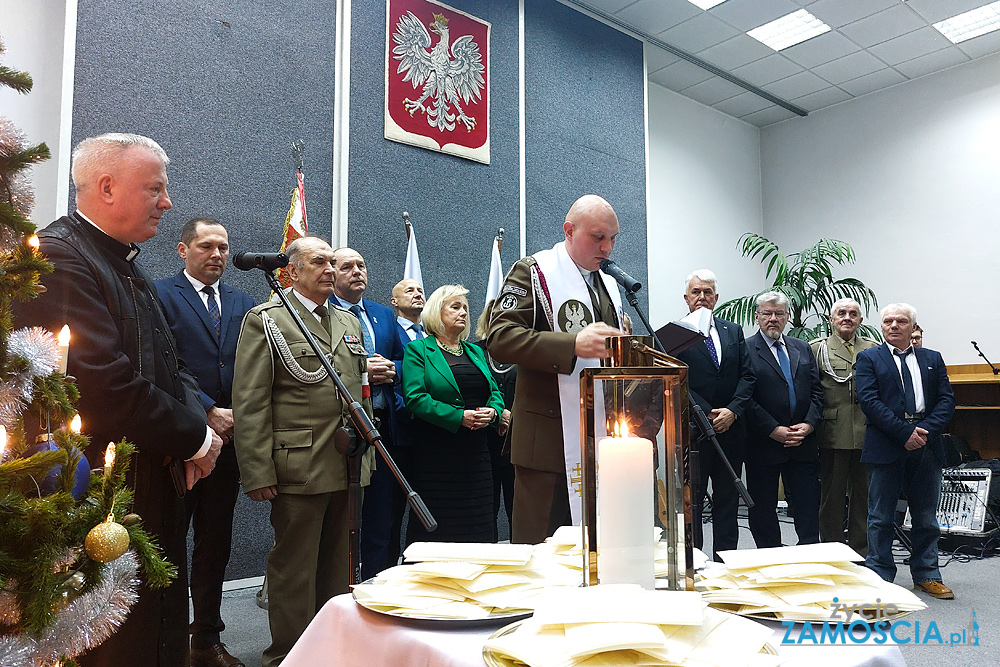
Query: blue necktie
[(712, 351), (786, 369), (213, 309), (418, 331), (909, 395), (369, 343)]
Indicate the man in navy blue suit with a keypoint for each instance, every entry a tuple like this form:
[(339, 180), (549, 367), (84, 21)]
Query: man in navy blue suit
[(204, 315), (905, 393), (787, 404), (380, 524), (721, 381)]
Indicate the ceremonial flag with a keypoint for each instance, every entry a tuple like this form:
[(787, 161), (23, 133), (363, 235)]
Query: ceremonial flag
[(412, 267), (496, 272), (295, 225)]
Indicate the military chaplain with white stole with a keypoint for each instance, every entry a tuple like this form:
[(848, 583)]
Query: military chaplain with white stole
[(286, 412), (553, 314)]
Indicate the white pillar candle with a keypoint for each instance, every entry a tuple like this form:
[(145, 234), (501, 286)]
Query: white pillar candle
[(625, 504)]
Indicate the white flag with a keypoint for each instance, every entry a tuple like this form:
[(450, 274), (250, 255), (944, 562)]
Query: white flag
[(412, 267), (496, 272)]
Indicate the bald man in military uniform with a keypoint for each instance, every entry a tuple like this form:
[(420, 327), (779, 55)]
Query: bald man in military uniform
[(553, 314)]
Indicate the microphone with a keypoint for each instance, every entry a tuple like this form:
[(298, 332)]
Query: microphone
[(268, 261), (630, 284)]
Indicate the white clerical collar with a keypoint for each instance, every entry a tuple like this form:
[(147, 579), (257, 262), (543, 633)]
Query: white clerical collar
[(133, 248)]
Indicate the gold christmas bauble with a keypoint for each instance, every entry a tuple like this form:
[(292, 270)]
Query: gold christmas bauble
[(106, 542)]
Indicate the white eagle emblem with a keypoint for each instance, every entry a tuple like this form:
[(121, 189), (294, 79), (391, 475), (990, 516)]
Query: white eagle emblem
[(446, 74), (576, 317)]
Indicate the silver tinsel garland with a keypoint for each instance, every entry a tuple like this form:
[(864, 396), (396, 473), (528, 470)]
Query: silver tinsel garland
[(83, 624), (39, 349)]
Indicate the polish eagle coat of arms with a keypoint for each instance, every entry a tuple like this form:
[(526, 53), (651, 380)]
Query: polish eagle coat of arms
[(450, 75), (437, 78)]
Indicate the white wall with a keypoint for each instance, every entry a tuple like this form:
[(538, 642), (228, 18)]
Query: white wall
[(704, 193), (910, 177), (43, 115)]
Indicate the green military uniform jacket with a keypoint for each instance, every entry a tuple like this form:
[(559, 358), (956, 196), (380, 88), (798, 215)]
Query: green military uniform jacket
[(520, 334), (843, 423), (284, 427)]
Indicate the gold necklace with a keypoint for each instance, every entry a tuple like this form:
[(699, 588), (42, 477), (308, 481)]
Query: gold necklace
[(459, 352)]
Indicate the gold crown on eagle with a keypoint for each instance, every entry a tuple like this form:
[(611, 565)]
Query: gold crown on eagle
[(441, 19)]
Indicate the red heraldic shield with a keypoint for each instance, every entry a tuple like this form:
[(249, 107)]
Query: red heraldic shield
[(437, 78)]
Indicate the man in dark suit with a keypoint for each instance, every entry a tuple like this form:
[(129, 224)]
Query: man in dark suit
[(787, 404), (905, 393), (382, 509), (720, 380), (109, 302), (204, 315)]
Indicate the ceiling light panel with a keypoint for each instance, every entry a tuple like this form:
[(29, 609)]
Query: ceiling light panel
[(790, 30), (706, 4), (971, 24)]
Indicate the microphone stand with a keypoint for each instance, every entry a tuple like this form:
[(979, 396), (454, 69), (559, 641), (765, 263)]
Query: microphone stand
[(707, 432), (634, 302), (996, 371), (348, 443)]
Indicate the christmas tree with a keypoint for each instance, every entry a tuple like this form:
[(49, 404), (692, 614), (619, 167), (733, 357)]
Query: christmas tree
[(70, 552)]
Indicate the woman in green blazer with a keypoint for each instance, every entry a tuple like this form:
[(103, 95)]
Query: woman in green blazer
[(449, 390)]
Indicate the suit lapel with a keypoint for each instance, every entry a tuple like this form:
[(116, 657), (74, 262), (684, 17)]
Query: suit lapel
[(925, 374), (228, 304), (437, 361), (764, 351), (197, 305), (315, 328), (839, 350), (886, 354)]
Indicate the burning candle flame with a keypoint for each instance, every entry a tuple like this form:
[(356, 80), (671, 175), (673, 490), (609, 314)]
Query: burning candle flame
[(63, 338), (621, 429), (76, 424), (3, 440), (34, 243), (109, 456)]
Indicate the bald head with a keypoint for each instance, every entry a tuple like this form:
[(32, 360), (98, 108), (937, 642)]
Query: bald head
[(591, 228), (408, 299)]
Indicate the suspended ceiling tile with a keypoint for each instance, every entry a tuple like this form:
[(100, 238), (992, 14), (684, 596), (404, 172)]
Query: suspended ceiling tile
[(768, 116), (881, 27), (698, 33), (712, 91), (680, 75), (657, 58), (982, 45), (767, 70), (797, 85), (837, 13), (939, 10), (911, 45), (742, 104), (822, 99), (610, 6), (821, 49), (735, 52), (933, 62), (749, 14), (872, 82), (655, 16), (849, 67)]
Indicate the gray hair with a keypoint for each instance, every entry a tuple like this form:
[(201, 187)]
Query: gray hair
[(298, 248), (772, 297), (846, 301), (910, 311), (704, 275), (94, 154)]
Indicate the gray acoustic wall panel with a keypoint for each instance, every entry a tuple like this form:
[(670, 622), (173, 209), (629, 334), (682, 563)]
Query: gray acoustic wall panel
[(455, 205), (585, 130), (224, 87)]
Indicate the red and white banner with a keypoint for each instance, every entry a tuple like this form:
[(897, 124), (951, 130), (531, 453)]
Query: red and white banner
[(295, 225), (437, 78)]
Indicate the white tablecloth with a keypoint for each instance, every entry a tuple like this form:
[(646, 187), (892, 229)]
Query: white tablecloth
[(345, 634)]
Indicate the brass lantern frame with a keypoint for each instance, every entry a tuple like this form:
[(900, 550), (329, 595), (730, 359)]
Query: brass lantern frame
[(632, 361)]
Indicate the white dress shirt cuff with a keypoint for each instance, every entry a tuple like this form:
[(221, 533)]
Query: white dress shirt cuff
[(205, 446)]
